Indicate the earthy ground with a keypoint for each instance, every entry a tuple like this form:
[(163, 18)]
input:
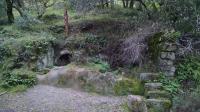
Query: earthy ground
[(43, 98)]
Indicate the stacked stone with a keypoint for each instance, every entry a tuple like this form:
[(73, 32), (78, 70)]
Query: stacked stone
[(167, 58), (155, 100), (198, 23)]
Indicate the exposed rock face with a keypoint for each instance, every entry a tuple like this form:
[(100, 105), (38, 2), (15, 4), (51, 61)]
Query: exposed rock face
[(137, 103), (47, 60), (80, 78)]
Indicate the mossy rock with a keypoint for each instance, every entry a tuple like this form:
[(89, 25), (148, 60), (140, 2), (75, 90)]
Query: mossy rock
[(159, 105), (129, 86)]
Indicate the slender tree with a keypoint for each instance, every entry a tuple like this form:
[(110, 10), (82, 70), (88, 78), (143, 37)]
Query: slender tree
[(10, 15)]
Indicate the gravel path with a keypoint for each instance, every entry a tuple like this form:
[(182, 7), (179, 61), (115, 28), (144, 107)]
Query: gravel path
[(43, 98)]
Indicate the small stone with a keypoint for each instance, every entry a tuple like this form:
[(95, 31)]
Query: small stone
[(169, 73), (153, 86), (137, 103), (157, 94), (168, 55), (166, 62), (169, 47), (148, 76), (168, 68)]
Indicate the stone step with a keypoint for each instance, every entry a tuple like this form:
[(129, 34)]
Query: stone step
[(152, 86), (157, 94), (158, 105), (149, 76)]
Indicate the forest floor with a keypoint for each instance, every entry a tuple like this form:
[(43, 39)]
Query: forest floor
[(44, 98)]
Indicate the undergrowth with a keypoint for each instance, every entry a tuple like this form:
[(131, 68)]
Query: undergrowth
[(187, 77)]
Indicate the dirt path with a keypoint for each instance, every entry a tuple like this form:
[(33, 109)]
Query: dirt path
[(43, 98)]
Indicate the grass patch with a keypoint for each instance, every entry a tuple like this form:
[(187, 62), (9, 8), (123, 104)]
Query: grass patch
[(129, 86), (16, 89)]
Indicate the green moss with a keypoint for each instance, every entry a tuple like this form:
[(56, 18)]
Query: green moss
[(129, 86), (18, 88), (155, 43), (167, 104), (89, 88), (125, 107)]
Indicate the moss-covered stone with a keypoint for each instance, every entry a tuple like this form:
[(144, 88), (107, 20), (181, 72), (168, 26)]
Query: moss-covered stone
[(159, 105), (129, 86), (157, 94)]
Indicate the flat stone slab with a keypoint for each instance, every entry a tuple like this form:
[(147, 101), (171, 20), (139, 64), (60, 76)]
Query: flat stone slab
[(149, 76), (152, 86), (159, 105), (157, 94)]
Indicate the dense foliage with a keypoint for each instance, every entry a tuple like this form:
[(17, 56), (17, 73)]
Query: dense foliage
[(18, 77), (187, 76), (120, 34)]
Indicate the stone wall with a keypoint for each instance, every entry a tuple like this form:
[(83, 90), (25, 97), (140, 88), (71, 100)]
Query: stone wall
[(167, 58)]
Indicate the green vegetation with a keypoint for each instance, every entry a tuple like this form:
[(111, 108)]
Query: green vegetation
[(157, 41), (119, 36), (129, 86), (188, 72), (18, 78), (187, 76), (126, 108), (98, 64)]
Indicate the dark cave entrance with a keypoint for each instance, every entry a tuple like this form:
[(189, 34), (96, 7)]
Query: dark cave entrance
[(63, 59)]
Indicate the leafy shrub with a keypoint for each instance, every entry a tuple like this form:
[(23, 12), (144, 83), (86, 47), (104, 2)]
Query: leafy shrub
[(26, 22), (128, 86), (94, 44), (25, 49), (187, 76), (180, 14), (91, 43), (4, 52), (18, 77), (170, 85), (98, 64), (188, 72)]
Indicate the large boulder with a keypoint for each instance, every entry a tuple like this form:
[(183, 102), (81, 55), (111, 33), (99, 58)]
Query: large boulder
[(137, 103), (80, 78), (46, 60)]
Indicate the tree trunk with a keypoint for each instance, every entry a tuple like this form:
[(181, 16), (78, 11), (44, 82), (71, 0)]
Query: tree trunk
[(127, 3), (102, 3), (143, 4), (66, 23), (131, 4), (124, 5), (112, 3), (10, 11)]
